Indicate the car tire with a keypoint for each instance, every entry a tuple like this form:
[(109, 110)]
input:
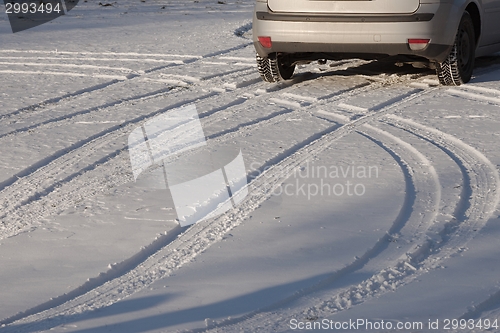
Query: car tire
[(272, 69), (458, 66)]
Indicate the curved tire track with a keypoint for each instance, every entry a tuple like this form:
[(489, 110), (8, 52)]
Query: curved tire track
[(471, 213), (200, 236), (423, 192)]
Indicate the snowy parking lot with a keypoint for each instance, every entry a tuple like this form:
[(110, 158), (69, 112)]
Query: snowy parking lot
[(372, 198)]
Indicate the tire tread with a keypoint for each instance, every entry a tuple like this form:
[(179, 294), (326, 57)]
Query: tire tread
[(449, 72), (269, 69)]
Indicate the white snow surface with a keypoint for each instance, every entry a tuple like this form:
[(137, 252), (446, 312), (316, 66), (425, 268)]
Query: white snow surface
[(373, 192)]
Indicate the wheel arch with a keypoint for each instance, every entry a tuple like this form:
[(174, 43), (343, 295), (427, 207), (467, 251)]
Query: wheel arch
[(473, 10)]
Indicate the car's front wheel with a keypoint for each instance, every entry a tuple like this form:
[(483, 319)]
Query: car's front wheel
[(273, 69), (458, 66)]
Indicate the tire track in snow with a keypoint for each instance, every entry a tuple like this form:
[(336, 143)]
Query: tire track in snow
[(84, 92), (161, 241), (29, 185), (69, 118), (200, 236), (103, 76), (487, 309), (479, 181), (422, 186), (141, 60), (82, 66), (135, 54), (289, 110), (481, 193), (474, 96), (328, 96), (55, 100)]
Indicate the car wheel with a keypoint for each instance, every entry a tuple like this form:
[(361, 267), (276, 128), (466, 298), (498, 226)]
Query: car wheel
[(458, 66), (272, 69)]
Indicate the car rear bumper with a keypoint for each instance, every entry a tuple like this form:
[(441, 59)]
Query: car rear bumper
[(433, 52), (358, 34)]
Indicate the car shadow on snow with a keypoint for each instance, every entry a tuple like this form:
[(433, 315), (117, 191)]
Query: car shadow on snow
[(372, 69), (388, 67), (487, 61), (486, 69), (125, 306), (157, 319)]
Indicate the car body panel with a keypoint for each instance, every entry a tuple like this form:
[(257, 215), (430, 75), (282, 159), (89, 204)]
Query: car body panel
[(346, 34), (492, 21), (344, 6)]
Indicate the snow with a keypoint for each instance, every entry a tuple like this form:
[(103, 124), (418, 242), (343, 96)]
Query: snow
[(373, 192)]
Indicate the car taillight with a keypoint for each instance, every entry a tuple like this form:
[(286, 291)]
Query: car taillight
[(266, 42), (418, 44)]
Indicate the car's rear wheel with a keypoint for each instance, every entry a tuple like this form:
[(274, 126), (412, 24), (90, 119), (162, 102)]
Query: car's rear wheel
[(273, 69), (458, 66)]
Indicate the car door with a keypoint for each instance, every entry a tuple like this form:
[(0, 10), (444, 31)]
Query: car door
[(491, 25)]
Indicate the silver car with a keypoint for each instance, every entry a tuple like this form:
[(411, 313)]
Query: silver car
[(443, 34)]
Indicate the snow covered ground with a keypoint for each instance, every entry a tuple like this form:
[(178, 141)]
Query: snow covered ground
[(373, 192)]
